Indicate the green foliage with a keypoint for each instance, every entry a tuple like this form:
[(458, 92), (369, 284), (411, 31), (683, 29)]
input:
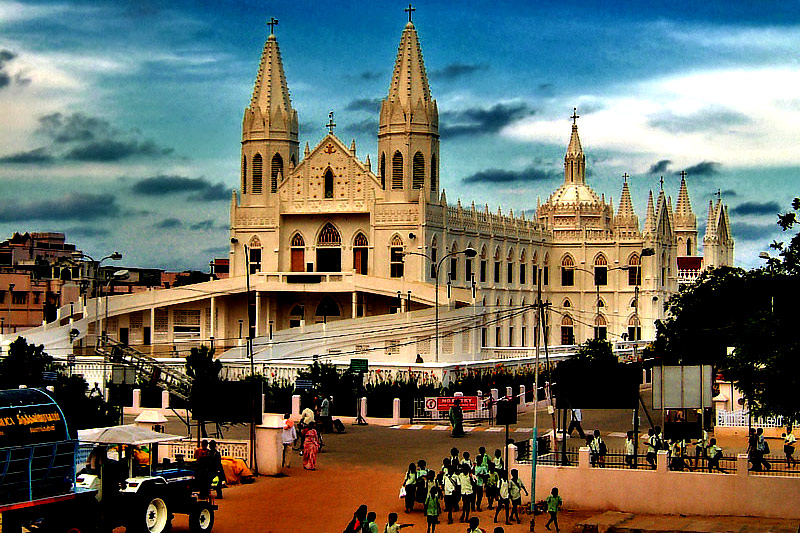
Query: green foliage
[(596, 351), (24, 365)]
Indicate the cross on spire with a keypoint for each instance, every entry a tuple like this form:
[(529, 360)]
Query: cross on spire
[(625, 177), (683, 174), (331, 124), (575, 116), (719, 194), (272, 23), (410, 9), (662, 182)]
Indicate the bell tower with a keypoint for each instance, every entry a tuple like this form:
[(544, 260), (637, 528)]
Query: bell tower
[(269, 130), (408, 137)]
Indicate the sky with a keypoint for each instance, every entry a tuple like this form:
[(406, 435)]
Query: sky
[(120, 122)]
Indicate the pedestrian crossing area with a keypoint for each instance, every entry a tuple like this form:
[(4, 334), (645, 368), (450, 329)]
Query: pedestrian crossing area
[(467, 429)]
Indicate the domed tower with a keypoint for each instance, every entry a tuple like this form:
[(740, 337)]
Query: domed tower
[(408, 136), (269, 130)]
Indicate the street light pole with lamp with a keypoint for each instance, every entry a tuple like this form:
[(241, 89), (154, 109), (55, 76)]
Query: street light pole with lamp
[(116, 275), (115, 256), (469, 252)]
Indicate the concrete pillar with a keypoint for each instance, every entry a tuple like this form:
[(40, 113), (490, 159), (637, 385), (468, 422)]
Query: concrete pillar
[(137, 398), (511, 457), (495, 395), (396, 410), (152, 330), (509, 392), (522, 395), (742, 464), (363, 407), (583, 457), (662, 461), (263, 402), (164, 399), (213, 326), (296, 405), (258, 313), (354, 301), (459, 393), (269, 448)]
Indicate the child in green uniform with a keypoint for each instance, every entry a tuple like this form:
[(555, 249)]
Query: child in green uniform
[(394, 526), (554, 503), (491, 485), (432, 509), (474, 522)]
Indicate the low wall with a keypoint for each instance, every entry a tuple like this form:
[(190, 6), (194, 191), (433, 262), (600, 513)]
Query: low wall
[(662, 491)]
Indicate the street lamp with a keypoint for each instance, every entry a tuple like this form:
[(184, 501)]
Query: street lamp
[(469, 252), (115, 256), (10, 298), (118, 274)]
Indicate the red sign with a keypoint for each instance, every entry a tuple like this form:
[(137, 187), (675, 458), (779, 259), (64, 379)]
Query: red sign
[(444, 403)]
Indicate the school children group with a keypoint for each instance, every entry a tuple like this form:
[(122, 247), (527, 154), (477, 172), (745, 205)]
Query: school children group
[(462, 484), (678, 457)]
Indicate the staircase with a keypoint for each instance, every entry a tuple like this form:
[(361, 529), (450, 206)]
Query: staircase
[(146, 368)]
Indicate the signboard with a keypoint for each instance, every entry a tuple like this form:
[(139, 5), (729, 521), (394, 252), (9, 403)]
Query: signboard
[(359, 365), (682, 387), (444, 403), (302, 384)]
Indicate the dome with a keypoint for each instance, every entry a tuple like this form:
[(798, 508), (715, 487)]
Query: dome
[(573, 193)]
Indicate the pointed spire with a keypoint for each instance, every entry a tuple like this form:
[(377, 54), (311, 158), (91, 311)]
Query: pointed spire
[(306, 151), (650, 220), (368, 163), (574, 160), (625, 203), (711, 226), (409, 79), (684, 205), (353, 146), (271, 93)]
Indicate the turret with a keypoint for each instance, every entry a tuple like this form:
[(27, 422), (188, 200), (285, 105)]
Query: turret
[(685, 221), (408, 136), (575, 160)]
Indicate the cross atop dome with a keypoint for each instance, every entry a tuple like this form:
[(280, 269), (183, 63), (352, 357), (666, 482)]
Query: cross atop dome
[(575, 116), (272, 23), (410, 9), (331, 124)]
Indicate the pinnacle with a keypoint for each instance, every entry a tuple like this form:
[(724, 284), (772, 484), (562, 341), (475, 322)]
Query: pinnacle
[(409, 79)]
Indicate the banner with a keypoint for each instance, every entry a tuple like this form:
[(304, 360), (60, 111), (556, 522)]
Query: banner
[(444, 403)]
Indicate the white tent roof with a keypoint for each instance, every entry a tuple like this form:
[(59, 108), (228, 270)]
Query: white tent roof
[(127, 434)]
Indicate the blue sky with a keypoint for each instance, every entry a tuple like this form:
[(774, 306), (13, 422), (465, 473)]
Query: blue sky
[(120, 122)]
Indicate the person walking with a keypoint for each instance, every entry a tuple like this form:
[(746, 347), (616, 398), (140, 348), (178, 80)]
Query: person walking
[(311, 445), (202, 468), (492, 479), (598, 450), (481, 473), (714, 454), (498, 460), (515, 489), (630, 451), (752, 451), (217, 472), (288, 436), (410, 484), (393, 526), (421, 488), (575, 423), (554, 503), (432, 509), (456, 416), (763, 449), (467, 483), (451, 491), (503, 494), (652, 448), (370, 526), (356, 524), (700, 448), (474, 522), (788, 446)]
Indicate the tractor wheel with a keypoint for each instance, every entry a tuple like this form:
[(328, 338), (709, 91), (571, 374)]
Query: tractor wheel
[(150, 515), (201, 519)]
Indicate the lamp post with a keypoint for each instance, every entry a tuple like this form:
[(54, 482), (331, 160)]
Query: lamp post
[(10, 298), (119, 274), (469, 252), (115, 256)]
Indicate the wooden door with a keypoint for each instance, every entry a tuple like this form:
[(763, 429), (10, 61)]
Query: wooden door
[(298, 260)]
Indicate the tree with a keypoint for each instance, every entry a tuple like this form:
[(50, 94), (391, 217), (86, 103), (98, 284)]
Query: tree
[(204, 371), (25, 364)]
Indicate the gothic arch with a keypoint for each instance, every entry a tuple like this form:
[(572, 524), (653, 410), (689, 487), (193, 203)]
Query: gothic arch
[(434, 179), (298, 240), (566, 303), (254, 242), (360, 253), (258, 169), (298, 253), (567, 261), (396, 240), (397, 170), (418, 171), (600, 260), (244, 174), (328, 183), (497, 253), (483, 252), (382, 170), (360, 239), (277, 170), (329, 249), (328, 307), (566, 320), (329, 236)]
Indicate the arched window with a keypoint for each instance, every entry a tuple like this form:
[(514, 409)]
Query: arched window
[(327, 307), (566, 303), (293, 160), (396, 257), (397, 170), (600, 302), (600, 270), (510, 266), (483, 264), (244, 174), (258, 168), (567, 330), (360, 253), (298, 252), (634, 270), (329, 249), (382, 171), (468, 266), (546, 270), (634, 329), (689, 246), (497, 265), (567, 271), (523, 268), (600, 328), (434, 256), (328, 184), (434, 181), (255, 254), (418, 176), (277, 169), (295, 316), (534, 268), (454, 263)]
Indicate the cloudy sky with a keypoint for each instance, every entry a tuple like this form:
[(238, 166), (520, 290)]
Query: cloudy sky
[(120, 122)]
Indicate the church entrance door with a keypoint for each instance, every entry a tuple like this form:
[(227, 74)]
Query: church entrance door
[(298, 260), (329, 259)]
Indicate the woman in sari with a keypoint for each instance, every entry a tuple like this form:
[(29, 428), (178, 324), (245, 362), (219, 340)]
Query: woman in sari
[(310, 447)]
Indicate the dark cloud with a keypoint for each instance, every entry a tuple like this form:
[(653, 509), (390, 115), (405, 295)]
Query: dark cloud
[(76, 127), (104, 151), (87, 231), (730, 193), (366, 126), (163, 185), (37, 155), (5, 57), (711, 118), (368, 75), (373, 105), (454, 71), (706, 168), (757, 208), (203, 225), (659, 167), (477, 121), (75, 206), (496, 175), (753, 232), (169, 223)]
